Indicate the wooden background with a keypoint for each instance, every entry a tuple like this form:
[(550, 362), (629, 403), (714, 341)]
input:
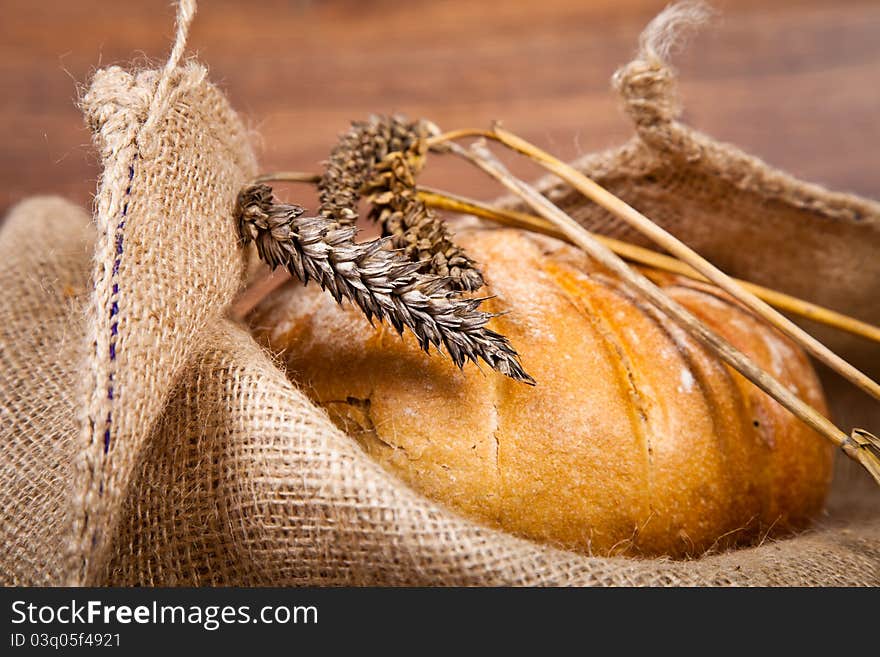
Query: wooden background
[(796, 82)]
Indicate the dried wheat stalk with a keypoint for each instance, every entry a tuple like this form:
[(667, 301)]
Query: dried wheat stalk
[(860, 445)]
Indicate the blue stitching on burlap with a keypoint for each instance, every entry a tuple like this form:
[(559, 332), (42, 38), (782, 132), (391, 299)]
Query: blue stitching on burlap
[(114, 305)]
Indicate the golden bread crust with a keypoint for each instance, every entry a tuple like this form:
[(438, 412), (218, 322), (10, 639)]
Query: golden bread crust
[(635, 440)]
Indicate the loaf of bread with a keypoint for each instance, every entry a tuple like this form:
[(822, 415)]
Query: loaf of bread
[(635, 439)]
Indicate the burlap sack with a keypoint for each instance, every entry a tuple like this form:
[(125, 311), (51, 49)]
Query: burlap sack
[(149, 440)]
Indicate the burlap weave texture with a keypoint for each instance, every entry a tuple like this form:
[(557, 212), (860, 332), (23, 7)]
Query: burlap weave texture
[(148, 440)]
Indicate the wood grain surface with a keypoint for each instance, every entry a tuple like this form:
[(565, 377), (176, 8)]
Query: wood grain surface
[(795, 82)]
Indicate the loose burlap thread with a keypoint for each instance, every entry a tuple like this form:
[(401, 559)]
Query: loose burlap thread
[(149, 440)]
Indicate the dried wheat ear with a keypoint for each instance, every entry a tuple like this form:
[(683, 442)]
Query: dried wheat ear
[(414, 276), (379, 159)]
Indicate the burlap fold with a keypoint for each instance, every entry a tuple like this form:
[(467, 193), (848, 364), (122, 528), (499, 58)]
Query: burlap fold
[(45, 251), (149, 440)]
